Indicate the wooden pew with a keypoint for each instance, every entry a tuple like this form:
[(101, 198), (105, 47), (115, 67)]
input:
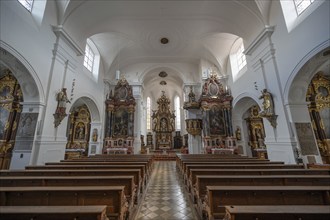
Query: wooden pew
[(200, 188), (220, 196), (103, 172), (126, 181), (276, 212), (142, 168), (216, 163), (111, 196), (251, 172), (183, 164), (88, 162), (53, 212), (181, 161), (148, 159), (186, 176), (196, 157)]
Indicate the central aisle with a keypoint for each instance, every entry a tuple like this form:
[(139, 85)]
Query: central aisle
[(165, 198)]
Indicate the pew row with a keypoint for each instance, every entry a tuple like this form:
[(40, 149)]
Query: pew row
[(74, 173), (250, 172), (111, 196), (142, 168), (126, 181), (186, 174), (102, 162), (218, 197), (53, 212), (200, 188), (276, 212)]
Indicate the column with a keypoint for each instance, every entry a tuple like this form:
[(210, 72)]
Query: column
[(137, 91)]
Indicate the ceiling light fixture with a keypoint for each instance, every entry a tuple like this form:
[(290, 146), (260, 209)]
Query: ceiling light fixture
[(164, 40)]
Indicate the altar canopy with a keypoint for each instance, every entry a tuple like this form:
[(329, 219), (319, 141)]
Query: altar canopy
[(163, 123)]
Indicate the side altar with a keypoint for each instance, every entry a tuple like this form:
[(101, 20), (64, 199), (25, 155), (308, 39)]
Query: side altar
[(119, 127), (163, 124), (216, 105)]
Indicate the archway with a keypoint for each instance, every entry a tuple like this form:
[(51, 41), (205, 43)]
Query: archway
[(84, 128), (241, 110), (32, 106), (295, 93)]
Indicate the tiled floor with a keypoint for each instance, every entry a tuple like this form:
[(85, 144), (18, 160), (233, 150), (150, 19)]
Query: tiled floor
[(165, 198)]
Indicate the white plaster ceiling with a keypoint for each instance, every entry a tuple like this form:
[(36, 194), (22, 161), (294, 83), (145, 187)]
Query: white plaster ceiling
[(128, 32)]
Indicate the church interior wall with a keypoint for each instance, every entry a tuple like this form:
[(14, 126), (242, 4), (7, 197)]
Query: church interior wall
[(31, 42), (35, 43), (299, 42)]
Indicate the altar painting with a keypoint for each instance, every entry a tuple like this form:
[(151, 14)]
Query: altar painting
[(217, 122), (121, 122)]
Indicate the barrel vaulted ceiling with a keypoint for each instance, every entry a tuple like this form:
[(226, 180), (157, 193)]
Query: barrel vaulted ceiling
[(127, 33)]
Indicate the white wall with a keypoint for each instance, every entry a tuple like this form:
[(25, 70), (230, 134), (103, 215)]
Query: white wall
[(272, 63), (56, 64)]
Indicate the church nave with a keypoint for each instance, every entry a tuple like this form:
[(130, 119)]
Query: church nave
[(166, 198)]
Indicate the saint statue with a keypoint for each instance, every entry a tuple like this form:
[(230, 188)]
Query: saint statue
[(62, 99), (268, 104), (191, 95), (238, 134)]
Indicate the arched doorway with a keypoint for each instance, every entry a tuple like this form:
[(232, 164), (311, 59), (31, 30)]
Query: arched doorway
[(303, 91), (241, 111), (84, 129), (31, 106)]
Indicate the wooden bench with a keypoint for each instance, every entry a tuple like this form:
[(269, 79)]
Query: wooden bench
[(111, 196), (148, 162), (219, 196), (250, 172), (186, 176), (202, 181), (276, 212), (92, 173), (70, 163), (183, 163), (53, 212), (142, 168), (126, 181)]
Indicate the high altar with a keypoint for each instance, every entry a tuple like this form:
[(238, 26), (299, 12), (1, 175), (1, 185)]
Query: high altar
[(119, 128), (163, 123)]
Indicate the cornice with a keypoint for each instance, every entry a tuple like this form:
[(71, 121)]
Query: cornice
[(61, 33), (267, 32)]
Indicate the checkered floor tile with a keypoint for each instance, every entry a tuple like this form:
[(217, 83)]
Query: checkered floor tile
[(166, 198)]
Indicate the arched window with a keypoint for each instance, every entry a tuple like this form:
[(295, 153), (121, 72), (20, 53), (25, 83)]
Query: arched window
[(237, 59), (35, 8), (178, 113), (27, 4), (240, 56), (92, 58), (301, 5), (148, 113), (296, 11)]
